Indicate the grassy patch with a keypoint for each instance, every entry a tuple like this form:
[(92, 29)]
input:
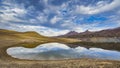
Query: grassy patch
[(28, 45)]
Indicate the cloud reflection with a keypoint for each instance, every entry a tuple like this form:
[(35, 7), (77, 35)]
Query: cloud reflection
[(57, 51)]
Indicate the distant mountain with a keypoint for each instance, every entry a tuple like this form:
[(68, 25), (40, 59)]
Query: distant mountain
[(87, 34), (72, 33)]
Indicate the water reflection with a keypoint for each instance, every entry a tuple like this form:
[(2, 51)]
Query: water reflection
[(57, 51)]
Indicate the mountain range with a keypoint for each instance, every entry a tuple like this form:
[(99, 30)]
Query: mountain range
[(115, 32)]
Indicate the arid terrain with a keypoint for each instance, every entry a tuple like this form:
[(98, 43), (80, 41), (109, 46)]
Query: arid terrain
[(12, 38)]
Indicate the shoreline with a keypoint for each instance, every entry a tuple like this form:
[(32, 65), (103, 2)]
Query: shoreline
[(7, 61)]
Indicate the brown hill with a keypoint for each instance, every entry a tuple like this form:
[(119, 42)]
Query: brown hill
[(103, 33)]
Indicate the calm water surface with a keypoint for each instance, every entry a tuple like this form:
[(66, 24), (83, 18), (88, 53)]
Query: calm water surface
[(58, 51)]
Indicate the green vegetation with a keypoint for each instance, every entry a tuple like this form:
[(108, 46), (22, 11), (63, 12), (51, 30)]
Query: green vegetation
[(28, 45)]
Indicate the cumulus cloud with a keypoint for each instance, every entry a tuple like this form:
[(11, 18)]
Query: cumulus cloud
[(51, 19), (55, 19), (42, 18), (46, 31), (11, 12), (53, 32), (100, 7)]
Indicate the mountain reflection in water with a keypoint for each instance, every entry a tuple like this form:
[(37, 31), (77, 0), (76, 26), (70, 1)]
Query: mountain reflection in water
[(58, 51)]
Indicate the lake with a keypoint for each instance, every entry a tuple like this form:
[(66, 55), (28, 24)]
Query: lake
[(59, 51)]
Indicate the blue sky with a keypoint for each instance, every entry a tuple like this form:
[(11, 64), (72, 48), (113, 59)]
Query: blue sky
[(56, 17)]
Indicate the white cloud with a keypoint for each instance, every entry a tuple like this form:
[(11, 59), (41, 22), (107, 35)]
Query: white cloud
[(55, 19), (42, 18), (69, 24), (52, 32), (100, 28), (11, 12), (100, 7), (18, 10), (114, 19), (40, 29), (6, 17)]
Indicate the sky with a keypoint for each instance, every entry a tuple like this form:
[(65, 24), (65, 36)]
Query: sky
[(57, 17)]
